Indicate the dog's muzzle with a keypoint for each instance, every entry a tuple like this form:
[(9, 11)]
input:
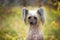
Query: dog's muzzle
[(32, 20)]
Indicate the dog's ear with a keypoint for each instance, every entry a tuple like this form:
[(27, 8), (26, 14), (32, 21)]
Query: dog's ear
[(41, 13), (25, 12)]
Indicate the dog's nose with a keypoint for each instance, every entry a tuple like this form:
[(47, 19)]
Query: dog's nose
[(31, 23)]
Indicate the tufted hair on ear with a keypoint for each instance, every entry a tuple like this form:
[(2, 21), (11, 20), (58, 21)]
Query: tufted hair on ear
[(25, 12), (42, 13)]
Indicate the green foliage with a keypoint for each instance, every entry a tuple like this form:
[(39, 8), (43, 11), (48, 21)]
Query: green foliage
[(52, 27)]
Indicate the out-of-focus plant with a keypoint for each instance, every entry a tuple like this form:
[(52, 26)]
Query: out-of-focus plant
[(52, 27)]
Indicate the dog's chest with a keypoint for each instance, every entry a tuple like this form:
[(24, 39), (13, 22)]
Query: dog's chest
[(35, 36)]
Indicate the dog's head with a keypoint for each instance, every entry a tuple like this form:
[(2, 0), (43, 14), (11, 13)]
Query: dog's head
[(33, 17)]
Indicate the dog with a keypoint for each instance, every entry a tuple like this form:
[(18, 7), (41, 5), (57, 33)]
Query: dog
[(34, 19)]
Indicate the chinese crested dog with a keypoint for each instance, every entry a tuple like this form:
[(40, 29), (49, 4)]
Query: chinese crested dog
[(35, 19)]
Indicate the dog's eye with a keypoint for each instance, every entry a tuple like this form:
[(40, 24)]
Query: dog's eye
[(29, 17), (35, 18)]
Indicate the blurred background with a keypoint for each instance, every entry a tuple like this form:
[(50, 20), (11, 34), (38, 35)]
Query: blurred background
[(12, 26)]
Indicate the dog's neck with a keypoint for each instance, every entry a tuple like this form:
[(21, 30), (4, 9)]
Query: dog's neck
[(34, 29)]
